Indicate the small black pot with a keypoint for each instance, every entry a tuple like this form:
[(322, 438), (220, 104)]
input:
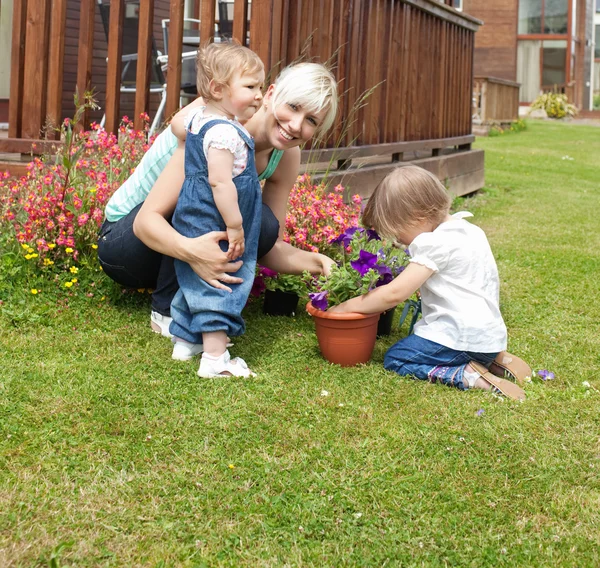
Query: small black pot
[(278, 303), (384, 327)]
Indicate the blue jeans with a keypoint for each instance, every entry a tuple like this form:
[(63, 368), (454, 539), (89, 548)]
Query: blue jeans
[(429, 361), (130, 263), (198, 307)]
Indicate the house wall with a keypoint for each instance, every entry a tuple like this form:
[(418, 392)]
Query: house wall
[(127, 101), (496, 40)]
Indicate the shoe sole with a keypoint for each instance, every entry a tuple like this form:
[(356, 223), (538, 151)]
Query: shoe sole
[(511, 365), (508, 389)]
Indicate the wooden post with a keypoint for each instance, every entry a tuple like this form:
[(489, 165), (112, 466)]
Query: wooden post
[(207, 20), (142, 78), (17, 69), (86, 47), (113, 71), (174, 64), (240, 21), (56, 55), (261, 21), (35, 63)]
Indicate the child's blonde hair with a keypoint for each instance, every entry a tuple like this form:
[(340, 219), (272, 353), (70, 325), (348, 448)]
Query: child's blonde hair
[(218, 62), (310, 85), (405, 197)]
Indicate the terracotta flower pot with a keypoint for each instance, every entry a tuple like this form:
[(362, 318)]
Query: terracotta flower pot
[(345, 339), (278, 303)]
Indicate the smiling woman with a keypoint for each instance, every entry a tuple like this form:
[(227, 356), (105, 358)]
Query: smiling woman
[(137, 243)]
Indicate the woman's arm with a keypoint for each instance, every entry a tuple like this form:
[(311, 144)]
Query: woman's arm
[(283, 257), (390, 295), (203, 253)]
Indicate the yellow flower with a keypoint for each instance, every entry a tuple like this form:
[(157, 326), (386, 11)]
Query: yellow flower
[(24, 246), (51, 245), (103, 298), (28, 256), (74, 270), (48, 262), (231, 466), (29, 250), (68, 284), (94, 247), (68, 250), (74, 280), (141, 290), (34, 291)]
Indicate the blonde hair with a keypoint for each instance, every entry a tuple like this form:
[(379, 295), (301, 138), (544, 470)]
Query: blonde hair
[(404, 198), (310, 85), (218, 62)]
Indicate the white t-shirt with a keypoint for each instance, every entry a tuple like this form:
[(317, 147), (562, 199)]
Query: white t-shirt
[(460, 301)]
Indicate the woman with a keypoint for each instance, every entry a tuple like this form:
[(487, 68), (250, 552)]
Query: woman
[(137, 244)]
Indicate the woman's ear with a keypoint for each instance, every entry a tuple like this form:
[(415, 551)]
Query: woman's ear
[(268, 97), (216, 90)]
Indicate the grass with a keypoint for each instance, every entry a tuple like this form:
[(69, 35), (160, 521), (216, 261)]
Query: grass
[(111, 454)]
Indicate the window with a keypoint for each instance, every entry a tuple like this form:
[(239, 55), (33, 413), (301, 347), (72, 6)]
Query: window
[(554, 57), (598, 6), (597, 41), (458, 4), (543, 16), (541, 65)]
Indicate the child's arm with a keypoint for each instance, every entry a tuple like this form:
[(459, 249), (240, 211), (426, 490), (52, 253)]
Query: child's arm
[(220, 165), (390, 295)]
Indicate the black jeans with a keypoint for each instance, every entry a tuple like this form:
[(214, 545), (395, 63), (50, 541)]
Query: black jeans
[(130, 263)]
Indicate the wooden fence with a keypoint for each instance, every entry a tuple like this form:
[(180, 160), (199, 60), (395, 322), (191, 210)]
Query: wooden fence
[(496, 99), (415, 57)]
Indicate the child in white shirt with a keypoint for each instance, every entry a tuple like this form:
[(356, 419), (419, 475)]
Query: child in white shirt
[(461, 333)]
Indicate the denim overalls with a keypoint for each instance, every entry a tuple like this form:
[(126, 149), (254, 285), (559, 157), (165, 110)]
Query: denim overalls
[(198, 307)]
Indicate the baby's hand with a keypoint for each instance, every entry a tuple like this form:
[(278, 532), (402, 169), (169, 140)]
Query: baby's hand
[(236, 242)]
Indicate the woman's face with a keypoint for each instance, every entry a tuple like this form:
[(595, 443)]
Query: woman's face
[(290, 124)]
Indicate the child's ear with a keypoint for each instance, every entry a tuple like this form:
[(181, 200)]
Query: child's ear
[(216, 90)]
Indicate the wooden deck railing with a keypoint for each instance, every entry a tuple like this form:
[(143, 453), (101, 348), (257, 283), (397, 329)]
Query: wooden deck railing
[(496, 99), (416, 56)]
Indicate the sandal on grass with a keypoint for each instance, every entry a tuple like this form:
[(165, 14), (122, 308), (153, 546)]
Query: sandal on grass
[(502, 386), (223, 366), (507, 364)]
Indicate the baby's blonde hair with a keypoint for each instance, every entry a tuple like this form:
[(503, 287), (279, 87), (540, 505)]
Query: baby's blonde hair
[(310, 85), (218, 62), (404, 198)]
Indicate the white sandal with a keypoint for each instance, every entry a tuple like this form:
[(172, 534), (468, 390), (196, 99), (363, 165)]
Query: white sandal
[(223, 366)]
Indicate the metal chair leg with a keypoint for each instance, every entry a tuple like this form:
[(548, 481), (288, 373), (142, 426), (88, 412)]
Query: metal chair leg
[(159, 112)]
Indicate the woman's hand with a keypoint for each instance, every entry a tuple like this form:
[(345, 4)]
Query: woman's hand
[(209, 262), (326, 264), (342, 308)]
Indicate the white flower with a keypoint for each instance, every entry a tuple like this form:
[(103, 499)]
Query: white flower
[(586, 384), (357, 515), (324, 393)]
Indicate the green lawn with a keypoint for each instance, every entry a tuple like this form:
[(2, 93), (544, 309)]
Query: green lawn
[(111, 454)]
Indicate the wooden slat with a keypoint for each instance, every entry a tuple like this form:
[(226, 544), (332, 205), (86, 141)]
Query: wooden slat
[(278, 29), (207, 20), (350, 152), (175, 49), (25, 145), (35, 63), (56, 57), (85, 51), (261, 19), (17, 68), (240, 21), (113, 71), (142, 78)]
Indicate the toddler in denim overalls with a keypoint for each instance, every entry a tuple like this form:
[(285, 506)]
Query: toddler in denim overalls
[(221, 192)]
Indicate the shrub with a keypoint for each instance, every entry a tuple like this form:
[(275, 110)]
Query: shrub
[(556, 105)]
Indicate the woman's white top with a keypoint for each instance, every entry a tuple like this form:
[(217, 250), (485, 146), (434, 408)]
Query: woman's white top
[(460, 300)]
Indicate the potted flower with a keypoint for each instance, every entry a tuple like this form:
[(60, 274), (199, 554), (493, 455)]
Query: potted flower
[(364, 262), (282, 291)]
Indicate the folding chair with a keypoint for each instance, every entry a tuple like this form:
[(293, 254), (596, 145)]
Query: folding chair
[(158, 83)]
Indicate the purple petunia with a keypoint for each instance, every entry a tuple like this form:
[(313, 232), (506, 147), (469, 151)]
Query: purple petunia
[(545, 375), (319, 300), (346, 237), (480, 412), (366, 261), (372, 235)]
